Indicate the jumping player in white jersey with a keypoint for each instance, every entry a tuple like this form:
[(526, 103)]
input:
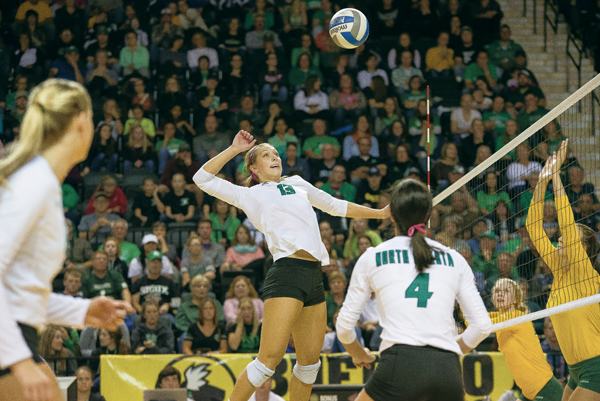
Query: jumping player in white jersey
[(282, 209), (56, 134), (416, 281)]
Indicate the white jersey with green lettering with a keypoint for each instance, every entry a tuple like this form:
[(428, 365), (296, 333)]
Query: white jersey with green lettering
[(282, 211), (415, 309)]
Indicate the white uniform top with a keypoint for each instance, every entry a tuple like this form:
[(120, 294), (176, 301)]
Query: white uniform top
[(414, 309), (281, 211), (33, 241)]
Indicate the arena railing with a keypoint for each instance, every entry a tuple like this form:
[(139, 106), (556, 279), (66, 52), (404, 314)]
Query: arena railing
[(576, 56), (551, 14)]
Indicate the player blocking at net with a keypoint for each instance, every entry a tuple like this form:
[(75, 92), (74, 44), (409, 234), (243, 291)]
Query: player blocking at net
[(572, 264), (416, 282), (282, 209)]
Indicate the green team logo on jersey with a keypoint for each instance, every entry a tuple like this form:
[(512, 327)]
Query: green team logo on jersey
[(286, 189)]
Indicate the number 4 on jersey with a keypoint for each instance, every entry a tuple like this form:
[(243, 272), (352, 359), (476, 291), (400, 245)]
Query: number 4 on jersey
[(286, 189), (419, 289)]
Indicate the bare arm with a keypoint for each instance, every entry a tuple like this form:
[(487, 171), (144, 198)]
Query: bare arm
[(242, 142), (126, 295), (185, 278), (359, 211), (223, 346), (187, 347), (235, 338), (135, 302)]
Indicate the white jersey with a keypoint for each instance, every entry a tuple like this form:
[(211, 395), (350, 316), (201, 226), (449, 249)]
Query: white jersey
[(33, 241), (415, 309), (282, 211)]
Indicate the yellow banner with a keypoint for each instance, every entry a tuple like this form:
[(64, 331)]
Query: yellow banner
[(124, 378)]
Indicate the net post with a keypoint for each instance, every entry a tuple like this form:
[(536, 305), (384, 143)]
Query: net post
[(428, 162)]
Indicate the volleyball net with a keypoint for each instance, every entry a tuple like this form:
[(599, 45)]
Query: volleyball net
[(488, 215)]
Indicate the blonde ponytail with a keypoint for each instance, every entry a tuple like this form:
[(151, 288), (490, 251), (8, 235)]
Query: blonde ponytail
[(52, 107)]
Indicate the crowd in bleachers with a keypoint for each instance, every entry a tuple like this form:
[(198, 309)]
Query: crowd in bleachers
[(173, 81)]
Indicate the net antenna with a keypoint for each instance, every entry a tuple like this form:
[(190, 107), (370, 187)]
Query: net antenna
[(570, 122), (428, 163)]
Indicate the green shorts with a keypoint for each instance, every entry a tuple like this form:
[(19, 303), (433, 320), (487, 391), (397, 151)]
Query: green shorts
[(552, 391), (295, 278), (585, 374)]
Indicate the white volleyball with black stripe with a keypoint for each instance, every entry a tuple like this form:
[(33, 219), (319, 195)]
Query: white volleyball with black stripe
[(349, 28)]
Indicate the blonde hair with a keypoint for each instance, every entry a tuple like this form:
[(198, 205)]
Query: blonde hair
[(145, 141), (199, 278), (255, 321), (337, 275), (46, 351), (192, 237), (249, 160), (105, 180), (52, 107), (518, 303)]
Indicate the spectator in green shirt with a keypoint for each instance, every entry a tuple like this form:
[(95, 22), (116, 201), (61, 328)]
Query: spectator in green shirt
[(337, 187), (410, 99), (533, 111), (133, 57), (70, 200), (223, 222), (303, 69), (138, 119), (282, 137), (168, 147), (103, 282), (129, 251), (313, 145), (187, 314), (481, 67), (485, 260), (495, 119), (358, 228), (511, 129), (70, 197), (516, 98), (505, 269), (526, 196), (502, 52), (489, 194)]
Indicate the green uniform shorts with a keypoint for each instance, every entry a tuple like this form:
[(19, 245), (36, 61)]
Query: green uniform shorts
[(552, 391), (585, 374)]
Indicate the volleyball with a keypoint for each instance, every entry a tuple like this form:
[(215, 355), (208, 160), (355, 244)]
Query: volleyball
[(349, 28)]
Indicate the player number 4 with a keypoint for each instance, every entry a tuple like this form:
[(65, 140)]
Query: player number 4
[(286, 189), (419, 289)]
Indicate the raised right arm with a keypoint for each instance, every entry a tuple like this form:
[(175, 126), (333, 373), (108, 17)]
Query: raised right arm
[(224, 190)]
